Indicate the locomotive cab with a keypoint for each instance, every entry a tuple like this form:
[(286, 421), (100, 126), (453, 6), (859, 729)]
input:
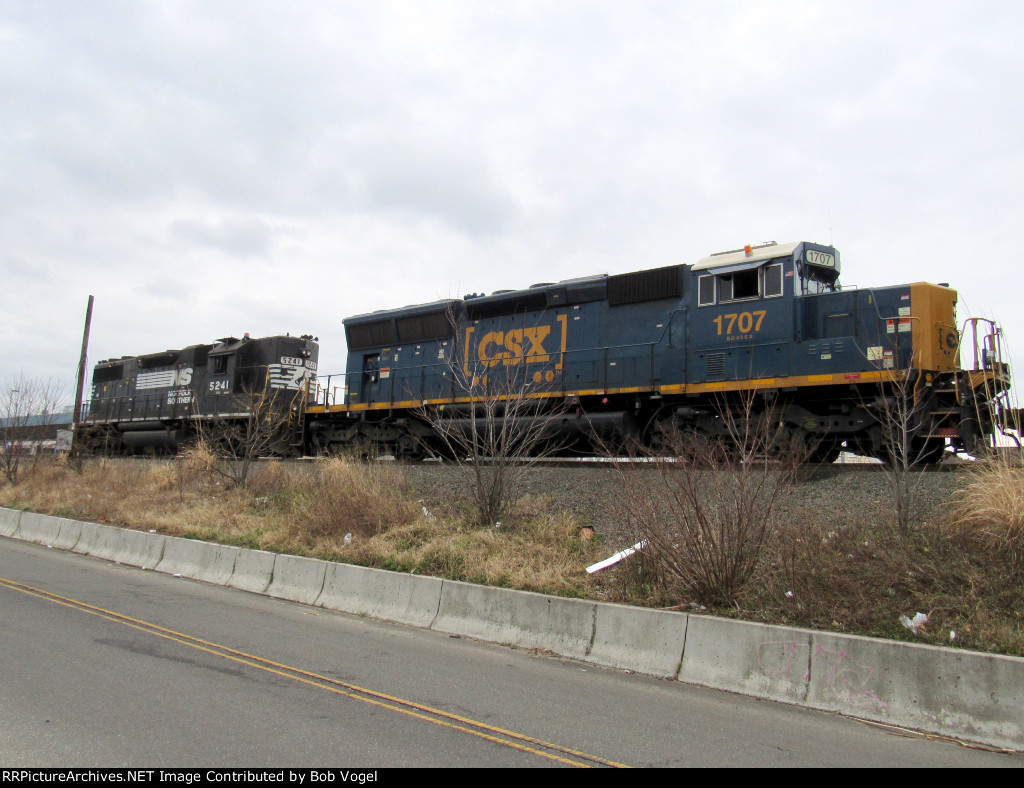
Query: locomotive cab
[(818, 268)]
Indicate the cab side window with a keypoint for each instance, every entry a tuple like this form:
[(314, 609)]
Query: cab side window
[(772, 281), (763, 282), (706, 286)]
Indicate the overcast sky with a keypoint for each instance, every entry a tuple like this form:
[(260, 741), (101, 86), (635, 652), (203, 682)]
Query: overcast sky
[(211, 168)]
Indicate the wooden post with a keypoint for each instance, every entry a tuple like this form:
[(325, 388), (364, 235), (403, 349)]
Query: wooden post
[(77, 416)]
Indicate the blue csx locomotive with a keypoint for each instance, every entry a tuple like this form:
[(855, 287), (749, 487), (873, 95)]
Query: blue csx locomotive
[(764, 329)]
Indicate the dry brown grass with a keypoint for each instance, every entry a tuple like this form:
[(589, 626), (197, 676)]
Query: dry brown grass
[(858, 575), (991, 506), (308, 509), (858, 572), (542, 553)]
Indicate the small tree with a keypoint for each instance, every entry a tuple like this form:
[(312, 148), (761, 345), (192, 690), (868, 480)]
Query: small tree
[(708, 504), (28, 409), (496, 433), (262, 427), (901, 410)]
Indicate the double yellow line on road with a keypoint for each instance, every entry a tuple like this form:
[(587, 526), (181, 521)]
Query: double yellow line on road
[(421, 711)]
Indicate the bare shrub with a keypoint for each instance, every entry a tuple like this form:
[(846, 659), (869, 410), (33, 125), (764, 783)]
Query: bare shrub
[(497, 436), (708, 513), (901, 412), (230, 447)]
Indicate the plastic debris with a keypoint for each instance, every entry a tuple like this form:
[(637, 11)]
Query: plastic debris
[(348, 539), (614, 559), (789, 595), (915, 623), (426, 512), (952, 635)]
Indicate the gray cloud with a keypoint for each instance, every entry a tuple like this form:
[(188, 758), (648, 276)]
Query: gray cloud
[(189, 163), (237, 237)]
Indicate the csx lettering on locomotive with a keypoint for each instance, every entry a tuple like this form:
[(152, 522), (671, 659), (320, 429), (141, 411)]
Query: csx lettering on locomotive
[(507, 347)]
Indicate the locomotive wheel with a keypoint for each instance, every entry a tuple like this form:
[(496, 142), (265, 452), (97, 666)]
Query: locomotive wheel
[(410, 449), (973, 439)]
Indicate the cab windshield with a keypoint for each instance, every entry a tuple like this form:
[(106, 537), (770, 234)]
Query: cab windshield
[(818, 280)]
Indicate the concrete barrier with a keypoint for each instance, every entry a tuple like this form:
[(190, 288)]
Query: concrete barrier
[(520, 618), (70, 533), (393, 596), (741, 656), (101, 541), (958, 693), (253, 571), (9, 519), (297, 579), (139, 548), (963, 694), (647, 641), (39, 528), (89, 537), (211, 563)]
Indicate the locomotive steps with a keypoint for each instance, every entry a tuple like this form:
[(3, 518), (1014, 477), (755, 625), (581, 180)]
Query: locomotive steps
[(962, 694)]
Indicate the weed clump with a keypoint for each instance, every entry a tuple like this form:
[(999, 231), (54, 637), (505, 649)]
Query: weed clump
[(991, 507)]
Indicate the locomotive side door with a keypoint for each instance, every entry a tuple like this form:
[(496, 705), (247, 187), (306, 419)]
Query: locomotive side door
[(368, 388)]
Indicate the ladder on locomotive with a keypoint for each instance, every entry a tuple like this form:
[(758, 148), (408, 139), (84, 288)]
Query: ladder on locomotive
[(988, 382)]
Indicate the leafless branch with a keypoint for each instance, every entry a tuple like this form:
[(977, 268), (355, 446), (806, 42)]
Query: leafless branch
[(496, 429), (28, 411), (230, 446), (708, 505)]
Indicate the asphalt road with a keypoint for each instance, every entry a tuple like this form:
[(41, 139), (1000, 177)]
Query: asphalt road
[(106, 665)]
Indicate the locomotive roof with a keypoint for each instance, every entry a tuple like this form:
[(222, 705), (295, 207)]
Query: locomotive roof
[(217, 347), (402, 311), (756, 254), (482, 302)]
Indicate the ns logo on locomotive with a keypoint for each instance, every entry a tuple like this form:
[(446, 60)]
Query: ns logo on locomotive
[(608, 357)]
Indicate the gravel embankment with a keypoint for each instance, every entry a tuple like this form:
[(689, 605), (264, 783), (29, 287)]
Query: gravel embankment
[(591, 492)]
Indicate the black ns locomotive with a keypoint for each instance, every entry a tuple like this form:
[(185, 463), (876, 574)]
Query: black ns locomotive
[(159, 401)]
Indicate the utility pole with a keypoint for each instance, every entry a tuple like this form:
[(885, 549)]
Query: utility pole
[(77, 416)]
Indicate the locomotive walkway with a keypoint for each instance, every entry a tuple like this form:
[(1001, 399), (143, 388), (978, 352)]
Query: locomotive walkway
[(960, 694)]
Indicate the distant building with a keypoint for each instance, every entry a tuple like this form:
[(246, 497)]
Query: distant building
[(37, 432)]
